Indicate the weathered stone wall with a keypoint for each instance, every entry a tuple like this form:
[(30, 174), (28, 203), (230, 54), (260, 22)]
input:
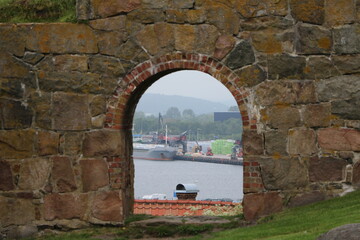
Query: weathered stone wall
[(68, 93)]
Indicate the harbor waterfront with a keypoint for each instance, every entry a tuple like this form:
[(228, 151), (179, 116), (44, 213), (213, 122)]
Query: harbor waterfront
[(215, 181)]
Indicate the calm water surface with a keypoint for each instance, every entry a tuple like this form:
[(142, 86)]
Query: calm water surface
[(213, 180)]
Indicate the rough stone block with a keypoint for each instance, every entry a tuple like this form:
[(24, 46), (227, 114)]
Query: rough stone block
[(20, 232), (65, 206), (224, 44), (337, 88), (98, 105), (283, 117), (348, 231), (12, 39), (33, 57), (175, 16), (196, 16), (42, 109), (146, 16), (286, 67), (307, 198), (185, 38), (48, 143), (14, 115), (347, 109), (250, 76), (130, 50), (16, 211), (253, 143), (268, 41), (347, 64), (113, 7), (339, 12), (339, 139), (158, 38), (107, 206), (70, 111), (346, 39), (275, 143), (103, 143), (250, 9), (261, 204), (16, 144), (283, 173), (302, 142), (222, 17), (94, 174), (286, 92), (64, 63), (320, 67), (83, 10), (110, 42), (71, 143), (11, 67), (155, 4), (117, 23), (62, 174), (356, 174), (76, 82), (317, 115), (206, 36), (309, 11), (106, 66), (34, 174), (182, 4), (326, 169), (98, 121), (240, 56), (6, 177), (16, 87), (313, 40), (61, 38)]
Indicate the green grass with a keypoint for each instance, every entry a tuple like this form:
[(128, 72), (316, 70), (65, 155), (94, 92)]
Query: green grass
[(24, 11), (302, 223)]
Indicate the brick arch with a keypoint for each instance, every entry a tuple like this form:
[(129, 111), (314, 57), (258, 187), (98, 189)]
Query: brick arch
[(122, 106)]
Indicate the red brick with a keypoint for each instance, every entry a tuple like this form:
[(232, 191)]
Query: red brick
[(246, 164)]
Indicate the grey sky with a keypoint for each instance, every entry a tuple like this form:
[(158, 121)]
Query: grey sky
[(192, 84)]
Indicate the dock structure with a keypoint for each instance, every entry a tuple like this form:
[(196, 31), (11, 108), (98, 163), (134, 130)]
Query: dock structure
[(210, 159)]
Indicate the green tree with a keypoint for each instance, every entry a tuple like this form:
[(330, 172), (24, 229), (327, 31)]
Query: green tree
[(188, 114), (173, 113)]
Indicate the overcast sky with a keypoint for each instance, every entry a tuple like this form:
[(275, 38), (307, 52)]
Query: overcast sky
[(192, 84)]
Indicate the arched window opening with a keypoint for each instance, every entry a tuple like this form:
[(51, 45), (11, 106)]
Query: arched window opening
[(186, 126)]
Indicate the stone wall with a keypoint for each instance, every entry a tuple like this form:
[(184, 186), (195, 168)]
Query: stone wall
[(68, 93)]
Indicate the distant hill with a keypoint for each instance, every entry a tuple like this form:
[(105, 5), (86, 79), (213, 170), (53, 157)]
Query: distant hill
[(155, 103)]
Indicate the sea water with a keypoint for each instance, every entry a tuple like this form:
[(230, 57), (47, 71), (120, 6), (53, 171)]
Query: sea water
[(215, 181)]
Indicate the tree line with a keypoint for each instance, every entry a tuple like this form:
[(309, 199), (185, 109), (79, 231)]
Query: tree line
[(199, 127)]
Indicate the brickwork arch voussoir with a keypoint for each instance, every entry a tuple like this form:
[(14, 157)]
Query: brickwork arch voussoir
[(117, 116)]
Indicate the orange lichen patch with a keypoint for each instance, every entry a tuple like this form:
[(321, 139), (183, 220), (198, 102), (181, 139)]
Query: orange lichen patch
[(338, 12), (265, 117), (276, 155), (41, 74), (324, 43), (81, 36), (44, 43), (334, 117), (308, 10), (307, 69), (291, 132), (267, 41)]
